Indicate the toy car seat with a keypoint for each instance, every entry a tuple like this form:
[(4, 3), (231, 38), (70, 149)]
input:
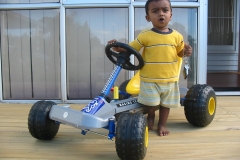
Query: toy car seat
[(133, 86)]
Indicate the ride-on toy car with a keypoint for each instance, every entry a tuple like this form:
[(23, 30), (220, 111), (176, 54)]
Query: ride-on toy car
[(124, 118)]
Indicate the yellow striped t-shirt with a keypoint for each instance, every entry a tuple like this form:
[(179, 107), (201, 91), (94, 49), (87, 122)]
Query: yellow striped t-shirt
[(160, 54)]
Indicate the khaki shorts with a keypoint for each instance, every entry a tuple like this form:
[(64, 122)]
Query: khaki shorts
[(164, 94)]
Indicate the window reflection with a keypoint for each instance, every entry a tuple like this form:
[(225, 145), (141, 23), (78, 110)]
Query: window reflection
[(30, 54), (87, 33), (220, 22), (26, 1)]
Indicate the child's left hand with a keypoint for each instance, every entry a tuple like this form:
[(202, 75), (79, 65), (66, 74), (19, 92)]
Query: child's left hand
[(187, 50)]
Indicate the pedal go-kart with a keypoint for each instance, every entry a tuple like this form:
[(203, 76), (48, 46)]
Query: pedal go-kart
[(124, 119)]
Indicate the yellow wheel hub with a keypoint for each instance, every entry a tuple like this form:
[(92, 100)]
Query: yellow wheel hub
[(146, 137), (211, 106)]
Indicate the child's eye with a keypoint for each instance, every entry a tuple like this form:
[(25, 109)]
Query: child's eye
[(154, 11)]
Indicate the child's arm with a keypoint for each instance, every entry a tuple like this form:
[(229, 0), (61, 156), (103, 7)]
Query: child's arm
[(186, 51)]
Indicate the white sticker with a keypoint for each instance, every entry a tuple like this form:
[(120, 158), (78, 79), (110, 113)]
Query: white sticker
[(65, 114)]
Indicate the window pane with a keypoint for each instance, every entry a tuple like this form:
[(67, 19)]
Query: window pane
[(30, 54), (187, 26), (220, 22), (27, 1), (87, 33)]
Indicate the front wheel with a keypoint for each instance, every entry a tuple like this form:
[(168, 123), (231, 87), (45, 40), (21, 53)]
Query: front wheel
[(200, 105), (40, 125), (131, 136)]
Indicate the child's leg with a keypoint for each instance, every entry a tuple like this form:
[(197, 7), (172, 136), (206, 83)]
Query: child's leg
[(163, 116), (151, 116)]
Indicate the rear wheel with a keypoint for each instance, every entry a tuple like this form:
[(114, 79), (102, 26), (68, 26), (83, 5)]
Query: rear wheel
[(39, 124), (132, 136), (200, 105)]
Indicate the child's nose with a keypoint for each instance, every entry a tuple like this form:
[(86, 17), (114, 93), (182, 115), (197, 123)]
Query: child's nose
[(161, 13)]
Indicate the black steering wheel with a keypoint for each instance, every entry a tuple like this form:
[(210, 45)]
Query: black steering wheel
[(123, 58)]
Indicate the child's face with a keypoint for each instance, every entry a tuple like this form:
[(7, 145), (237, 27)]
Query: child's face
[(159, 14)]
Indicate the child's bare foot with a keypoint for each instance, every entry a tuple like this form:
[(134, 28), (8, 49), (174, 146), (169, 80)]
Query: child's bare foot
[(150, 119), (163, 115), (162, 130)]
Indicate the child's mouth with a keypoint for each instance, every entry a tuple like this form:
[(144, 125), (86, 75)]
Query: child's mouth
[(161, 19)]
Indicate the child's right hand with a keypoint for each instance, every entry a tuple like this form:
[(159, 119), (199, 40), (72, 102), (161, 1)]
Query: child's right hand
[(116, 49), (112, 41)]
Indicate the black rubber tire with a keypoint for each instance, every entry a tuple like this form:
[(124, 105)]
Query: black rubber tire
[(123, 87), (132, 136), (200, 105), (39, 124)]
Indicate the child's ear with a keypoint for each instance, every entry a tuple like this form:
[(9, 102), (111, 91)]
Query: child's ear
[(147, 18)]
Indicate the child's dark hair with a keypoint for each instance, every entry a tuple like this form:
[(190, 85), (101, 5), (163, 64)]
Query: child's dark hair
[(149, 1)]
